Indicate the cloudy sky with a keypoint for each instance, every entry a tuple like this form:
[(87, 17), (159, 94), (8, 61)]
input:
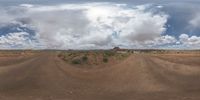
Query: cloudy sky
[(99, 24)]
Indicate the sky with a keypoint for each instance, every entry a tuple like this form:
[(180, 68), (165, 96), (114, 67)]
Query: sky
[(99, 24)]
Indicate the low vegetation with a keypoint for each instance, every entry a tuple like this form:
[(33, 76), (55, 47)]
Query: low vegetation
[(76, 61), (105, 60), (84, 58), (109, 53), (92, 57)]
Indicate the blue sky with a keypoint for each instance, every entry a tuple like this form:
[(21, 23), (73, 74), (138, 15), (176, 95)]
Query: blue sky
[(99, 24)]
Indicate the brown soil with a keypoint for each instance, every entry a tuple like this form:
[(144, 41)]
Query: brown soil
[(139, 77)]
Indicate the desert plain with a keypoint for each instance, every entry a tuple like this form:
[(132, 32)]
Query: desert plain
[(99, 75)]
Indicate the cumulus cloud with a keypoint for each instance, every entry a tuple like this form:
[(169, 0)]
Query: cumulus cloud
[(163, 40), (16, 40), (193, 41), (94, 24), (90, 26)]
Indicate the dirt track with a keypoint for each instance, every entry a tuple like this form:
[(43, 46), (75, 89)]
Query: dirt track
[(139, 77)]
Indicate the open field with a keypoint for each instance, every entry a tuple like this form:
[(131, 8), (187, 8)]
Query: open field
[(86, 75)]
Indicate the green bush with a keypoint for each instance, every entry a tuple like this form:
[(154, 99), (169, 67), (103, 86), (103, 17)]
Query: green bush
[(70, 54), (76, 61), (84, 58), (60, 55), (109, 53), (105, 60)]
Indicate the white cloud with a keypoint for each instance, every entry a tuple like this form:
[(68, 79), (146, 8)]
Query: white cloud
[(68, 25), (27, 5), (16, 40), (5, 17), (195, 22), (163, 40), (13, 38), (92, 25), (193, 41)]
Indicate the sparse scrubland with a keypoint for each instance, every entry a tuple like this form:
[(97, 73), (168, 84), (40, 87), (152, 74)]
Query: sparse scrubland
[(92, 58), (100, 75)]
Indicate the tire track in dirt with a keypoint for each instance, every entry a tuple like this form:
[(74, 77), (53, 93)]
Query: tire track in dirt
[(8, 61), (179, 76)]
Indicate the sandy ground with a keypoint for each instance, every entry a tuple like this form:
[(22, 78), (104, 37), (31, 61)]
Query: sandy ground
[(139, 77)]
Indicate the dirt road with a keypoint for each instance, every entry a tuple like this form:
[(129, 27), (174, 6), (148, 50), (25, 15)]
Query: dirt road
[(139, 77)]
